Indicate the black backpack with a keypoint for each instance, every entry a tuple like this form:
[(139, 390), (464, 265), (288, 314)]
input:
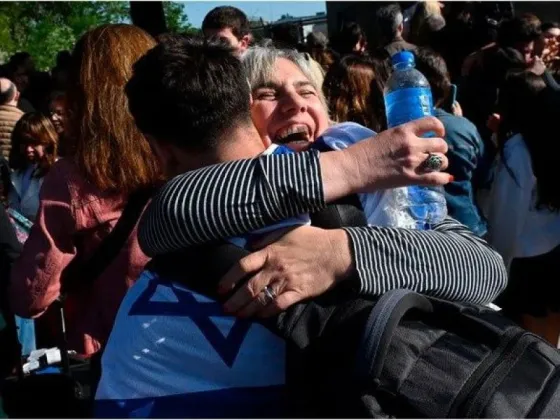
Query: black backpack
[(401, 355)]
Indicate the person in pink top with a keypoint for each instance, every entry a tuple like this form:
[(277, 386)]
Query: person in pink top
[(83, 195)]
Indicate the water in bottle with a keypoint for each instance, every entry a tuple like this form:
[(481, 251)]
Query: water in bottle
[(408, 97)]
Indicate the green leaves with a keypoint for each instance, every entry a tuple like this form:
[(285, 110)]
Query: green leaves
[(47, 27)]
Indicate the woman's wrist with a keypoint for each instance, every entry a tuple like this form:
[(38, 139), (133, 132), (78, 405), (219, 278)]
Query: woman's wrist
[(343, 266)]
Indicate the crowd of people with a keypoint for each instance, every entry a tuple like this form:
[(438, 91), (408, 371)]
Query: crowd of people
[(232, 139)]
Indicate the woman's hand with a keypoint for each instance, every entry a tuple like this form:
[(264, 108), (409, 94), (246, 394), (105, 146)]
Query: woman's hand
[(305, 262), (394, 158)]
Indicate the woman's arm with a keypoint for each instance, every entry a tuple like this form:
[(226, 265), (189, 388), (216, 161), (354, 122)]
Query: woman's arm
[(448, 262), (234, 198), (35, 279)]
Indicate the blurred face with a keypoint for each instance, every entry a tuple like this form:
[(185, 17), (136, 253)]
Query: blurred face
[(552, 33), (287, 110), (21, 79), (227, 35), (32, 151), (57, 115), (526, 49)]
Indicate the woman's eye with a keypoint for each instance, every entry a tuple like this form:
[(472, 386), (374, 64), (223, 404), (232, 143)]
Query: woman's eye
[(307, 93), (265, 95)]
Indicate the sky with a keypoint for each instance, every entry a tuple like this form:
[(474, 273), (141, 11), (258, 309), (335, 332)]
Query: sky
[(268, 10)]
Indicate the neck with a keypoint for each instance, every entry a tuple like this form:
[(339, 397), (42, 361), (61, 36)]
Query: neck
[(241, 142)]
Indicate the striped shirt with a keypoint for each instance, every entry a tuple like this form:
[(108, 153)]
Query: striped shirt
[(234, 198)]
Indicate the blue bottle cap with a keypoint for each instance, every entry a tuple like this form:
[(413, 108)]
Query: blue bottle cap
[(403, 57)]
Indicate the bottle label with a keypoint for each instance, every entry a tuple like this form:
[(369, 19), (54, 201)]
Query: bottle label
[(408, 104)]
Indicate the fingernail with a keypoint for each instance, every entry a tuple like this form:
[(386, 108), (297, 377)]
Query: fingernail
[(451, 178)]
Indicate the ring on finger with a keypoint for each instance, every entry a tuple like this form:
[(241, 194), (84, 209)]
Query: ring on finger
[(269, 294), (433, 163)]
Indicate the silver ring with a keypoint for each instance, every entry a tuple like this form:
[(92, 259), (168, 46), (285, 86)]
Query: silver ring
[(433, 163), (269, 293)]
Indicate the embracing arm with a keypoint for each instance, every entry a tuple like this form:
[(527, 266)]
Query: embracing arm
[(448, 262), (234, 198)]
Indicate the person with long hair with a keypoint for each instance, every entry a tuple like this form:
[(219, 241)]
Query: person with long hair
[(34, 146), (354, 91), (84, 193), (524, 204)]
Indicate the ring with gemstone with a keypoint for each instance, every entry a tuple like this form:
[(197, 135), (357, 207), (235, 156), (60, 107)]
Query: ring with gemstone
[(433, 163), (269, 293)]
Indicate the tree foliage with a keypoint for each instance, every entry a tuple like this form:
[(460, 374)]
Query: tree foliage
[(44, 28)]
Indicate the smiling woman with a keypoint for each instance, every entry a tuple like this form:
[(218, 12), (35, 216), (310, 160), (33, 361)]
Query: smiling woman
[(288, 105)]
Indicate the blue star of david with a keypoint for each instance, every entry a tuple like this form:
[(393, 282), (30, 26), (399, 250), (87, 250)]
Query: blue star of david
[(200, 313)]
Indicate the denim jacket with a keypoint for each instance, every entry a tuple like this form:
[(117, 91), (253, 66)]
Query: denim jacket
[(466, 154)]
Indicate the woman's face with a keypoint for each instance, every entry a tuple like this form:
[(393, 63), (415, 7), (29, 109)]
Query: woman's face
[(32, 151), (57, 115), (287, 110)]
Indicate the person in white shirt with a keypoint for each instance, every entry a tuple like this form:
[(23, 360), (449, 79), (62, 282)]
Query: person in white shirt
[(524, 203), (34, 148)]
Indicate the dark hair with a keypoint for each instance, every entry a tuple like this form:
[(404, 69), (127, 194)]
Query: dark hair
[(516, 98), (433, 67), (227, 17), (188, 92), (386, 20), (285, 35), (63, 59), (537, 130), (34, 128), (549, 25), (349, 35), (317, 48), (8, 95), (524, 110), (520, 29), (353, 87), (19, 59)]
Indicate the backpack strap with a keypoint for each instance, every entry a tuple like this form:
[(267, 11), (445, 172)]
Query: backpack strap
[(380, 327), (81, 273)]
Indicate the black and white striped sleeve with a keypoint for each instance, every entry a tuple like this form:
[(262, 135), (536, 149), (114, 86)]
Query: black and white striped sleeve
[(449, 262), (230, 199)]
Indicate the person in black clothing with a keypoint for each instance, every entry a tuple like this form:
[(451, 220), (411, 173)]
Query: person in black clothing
[(10, 249)]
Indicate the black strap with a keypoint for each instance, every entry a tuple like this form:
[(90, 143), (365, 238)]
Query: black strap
[(80, 274)]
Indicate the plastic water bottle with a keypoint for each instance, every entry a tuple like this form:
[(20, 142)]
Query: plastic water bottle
[(408, 97)]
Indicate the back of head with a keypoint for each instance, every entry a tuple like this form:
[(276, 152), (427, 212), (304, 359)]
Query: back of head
[(8, 92), (317, 40), (426, 21), (189, 92), (226, 17), (348, 37), (517, 101), (386, 22), (433, 67), (100, 125), (354, 90), (518, 30), (285, 35)]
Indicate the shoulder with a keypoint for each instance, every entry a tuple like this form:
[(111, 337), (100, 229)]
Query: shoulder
[(347, 133), (456, 126)]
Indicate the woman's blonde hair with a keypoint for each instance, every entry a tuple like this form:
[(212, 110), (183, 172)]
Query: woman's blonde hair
[(106, 144), (35, 129)]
